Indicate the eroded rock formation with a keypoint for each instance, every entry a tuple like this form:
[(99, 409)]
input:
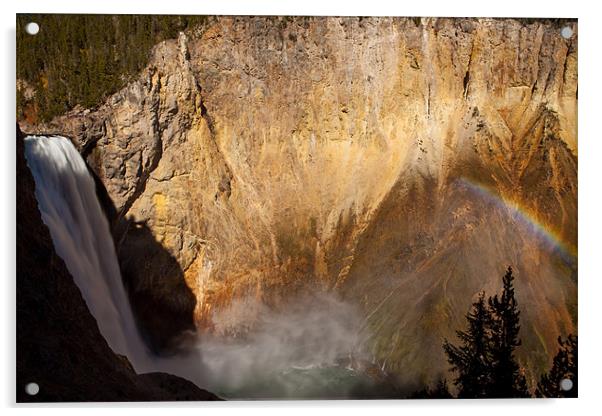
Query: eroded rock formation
[(59, 345), (374, 157)]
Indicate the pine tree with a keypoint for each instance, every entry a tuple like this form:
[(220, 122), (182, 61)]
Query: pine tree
[(472, 359), (507, 379), (87, 57), (485, 360), (563, 367)]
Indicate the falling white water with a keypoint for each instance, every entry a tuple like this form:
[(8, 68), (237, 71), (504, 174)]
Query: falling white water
[(67, 200), (314, 334)]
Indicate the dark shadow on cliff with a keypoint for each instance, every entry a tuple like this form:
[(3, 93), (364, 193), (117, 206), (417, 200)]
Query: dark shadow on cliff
[(106, 203), (59, 345), (162, 302)]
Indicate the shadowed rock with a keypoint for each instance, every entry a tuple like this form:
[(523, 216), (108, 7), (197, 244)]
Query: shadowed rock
[(162, 302), (59, 345)]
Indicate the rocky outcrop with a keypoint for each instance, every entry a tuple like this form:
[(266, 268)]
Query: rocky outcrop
[(403, 163), (59, 345)]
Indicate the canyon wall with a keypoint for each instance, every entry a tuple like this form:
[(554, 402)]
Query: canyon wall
[(402, 163), (59, 345)]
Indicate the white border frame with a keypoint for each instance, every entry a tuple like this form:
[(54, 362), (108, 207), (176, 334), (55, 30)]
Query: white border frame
[(590, 276)]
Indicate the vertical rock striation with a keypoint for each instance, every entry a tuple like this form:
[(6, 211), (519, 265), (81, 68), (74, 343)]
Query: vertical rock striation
[(403, 163), (59, 345)]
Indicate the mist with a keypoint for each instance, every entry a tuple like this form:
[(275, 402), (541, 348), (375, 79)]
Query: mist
[(304, 349), (281, 347)]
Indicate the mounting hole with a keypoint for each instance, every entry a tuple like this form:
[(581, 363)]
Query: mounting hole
[(566, 384), (566, 32), (32, 28), (32, 389)]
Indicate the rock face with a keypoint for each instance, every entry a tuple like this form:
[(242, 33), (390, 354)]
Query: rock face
[(59, 345), (403, 163)]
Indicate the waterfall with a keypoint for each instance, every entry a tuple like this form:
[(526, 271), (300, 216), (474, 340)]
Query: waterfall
[(311, 335), (67, 200), (80, 232)]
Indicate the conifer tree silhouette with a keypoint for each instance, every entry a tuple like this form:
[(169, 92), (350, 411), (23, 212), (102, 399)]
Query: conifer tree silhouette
[(484, 361), (472, 359), (564, 367), (507, 379)]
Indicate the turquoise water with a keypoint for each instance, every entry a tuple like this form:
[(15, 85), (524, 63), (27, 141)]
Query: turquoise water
[(332, 382)]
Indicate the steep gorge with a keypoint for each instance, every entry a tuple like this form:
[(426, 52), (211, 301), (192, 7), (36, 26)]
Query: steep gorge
[(401, 163), (59, 344)]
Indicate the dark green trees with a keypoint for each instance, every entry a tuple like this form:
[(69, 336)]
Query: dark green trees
[(484, 361), (563, 368), (506, 380), (472, 359), (81, 59)]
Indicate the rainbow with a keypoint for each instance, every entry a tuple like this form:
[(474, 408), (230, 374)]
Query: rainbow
[(525, 216)]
